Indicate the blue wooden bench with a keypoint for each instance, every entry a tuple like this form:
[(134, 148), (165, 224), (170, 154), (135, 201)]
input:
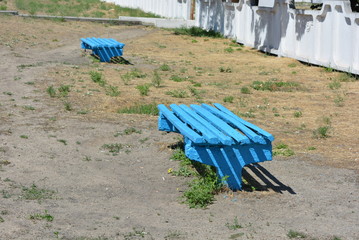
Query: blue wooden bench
[(104, 48), (215, 136)]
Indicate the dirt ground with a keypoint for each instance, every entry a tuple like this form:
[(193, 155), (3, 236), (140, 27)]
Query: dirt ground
[(54, 146)]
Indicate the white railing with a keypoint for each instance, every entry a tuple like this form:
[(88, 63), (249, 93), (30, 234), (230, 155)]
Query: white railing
[(327, 37)]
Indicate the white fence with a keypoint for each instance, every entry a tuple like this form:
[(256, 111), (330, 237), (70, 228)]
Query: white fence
[(327, 37), (165, 8)]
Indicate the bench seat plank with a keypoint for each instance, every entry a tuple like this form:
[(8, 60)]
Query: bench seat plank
[(182, 128), (220, 124), (224, 139), (248, 124), (235, 123)]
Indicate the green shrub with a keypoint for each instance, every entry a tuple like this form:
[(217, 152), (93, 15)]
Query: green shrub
[(282, 150), (156, 79), (275, 86), (228, 99), (143, 89)]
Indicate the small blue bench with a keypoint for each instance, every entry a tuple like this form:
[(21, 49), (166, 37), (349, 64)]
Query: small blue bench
[(104, 48), (215, 136)]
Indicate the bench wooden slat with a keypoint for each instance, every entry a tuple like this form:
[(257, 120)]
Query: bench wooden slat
[(182, 128), (248, 124), (232, 121), (195, 124), (221, 125), (225, 140)]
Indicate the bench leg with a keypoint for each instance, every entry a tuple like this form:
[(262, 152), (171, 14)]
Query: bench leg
[(229, 160)]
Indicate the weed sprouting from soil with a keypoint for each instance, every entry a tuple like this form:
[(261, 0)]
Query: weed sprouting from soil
[(35, 193), (150, 109)]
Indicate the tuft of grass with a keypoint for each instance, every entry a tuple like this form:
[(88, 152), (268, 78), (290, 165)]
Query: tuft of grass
[(51, 91), (295, 234), (322, 132), (113, 148), (112, 91), (297, 114), (177, 78), (31, 108), (97, 77), (177, 93), (150, 109), (282, 150), (245, 90), (225, 70), (156, 79), (334, 85), (46, 216), (228, 99), (229, 50), (275, 86), (68, 106), (64, 90), (165, 67), (128, 131), (24, 136), (62, 141), (35, 193), (143, 89), (197, 32), (233, 226)]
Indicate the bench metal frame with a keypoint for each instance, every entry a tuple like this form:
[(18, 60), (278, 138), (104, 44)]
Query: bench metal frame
[(104, 48), (215, 136)]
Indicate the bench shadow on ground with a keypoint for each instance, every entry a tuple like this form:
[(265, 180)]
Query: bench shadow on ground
[(252, 176), (270, 182)]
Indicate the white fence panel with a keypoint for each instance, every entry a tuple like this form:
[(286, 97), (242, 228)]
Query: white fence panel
[(327, 37)]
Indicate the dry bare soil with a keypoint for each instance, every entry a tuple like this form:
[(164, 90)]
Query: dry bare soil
[(59, 181)]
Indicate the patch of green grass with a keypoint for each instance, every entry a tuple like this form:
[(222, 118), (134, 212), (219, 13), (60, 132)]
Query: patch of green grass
[(177, 93), (295, 234), (275, 86), (322, 132), (177, 78), (156, 79), (339, 101), (233, 226), (128, 131), (165, 67), (97, 77), (150, 109), (292, 65), (138, 233), (68, 106), (24, 136), (113, 148), (347, 77), (62, 141), (51, 91), (334, 85), (312, 148), (228, 99), (64, 90), (282, 150), (112, 91), (3, 7), (197, 32), (31, 108), (298, 114), (1, 219), (35, 193), (38, 216), (196, 93), (245, 90), (229, 50), (225, 70), (143, 89)]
